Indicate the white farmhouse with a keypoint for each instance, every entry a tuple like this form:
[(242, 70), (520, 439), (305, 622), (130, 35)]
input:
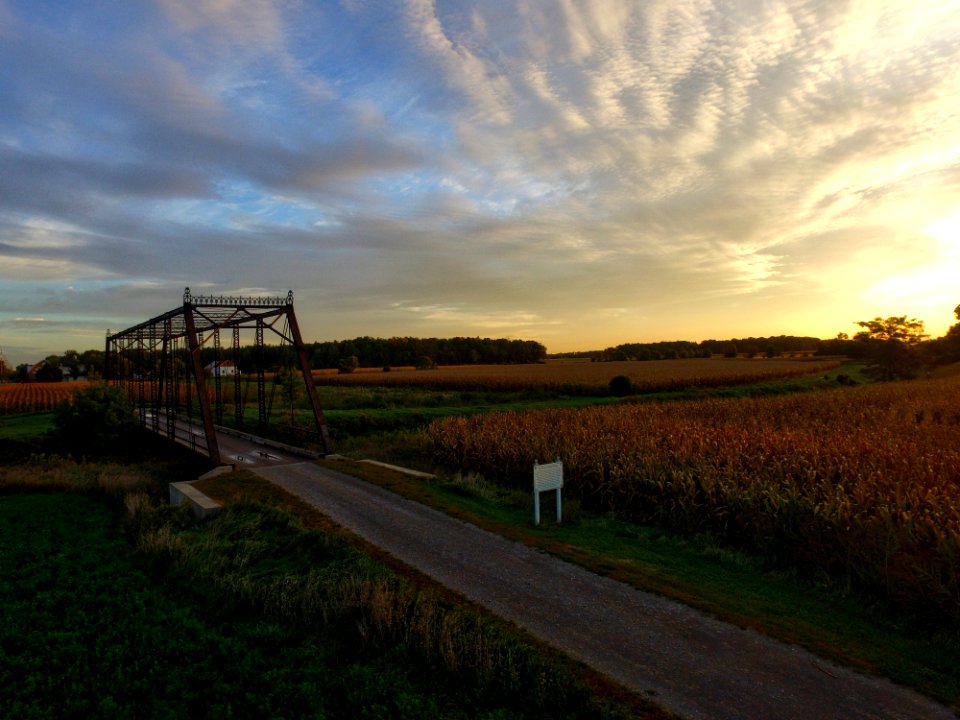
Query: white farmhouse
[(224, 368)]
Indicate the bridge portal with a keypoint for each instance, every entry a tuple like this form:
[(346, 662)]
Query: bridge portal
[(176, 367)]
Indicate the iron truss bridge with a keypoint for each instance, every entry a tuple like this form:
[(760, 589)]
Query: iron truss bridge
[(185, 381)]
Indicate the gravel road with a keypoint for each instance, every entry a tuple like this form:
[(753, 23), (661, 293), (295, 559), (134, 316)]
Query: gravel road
[(684, 661)]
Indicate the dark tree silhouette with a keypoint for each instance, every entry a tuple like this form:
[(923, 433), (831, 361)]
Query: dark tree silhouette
[(891, 346)]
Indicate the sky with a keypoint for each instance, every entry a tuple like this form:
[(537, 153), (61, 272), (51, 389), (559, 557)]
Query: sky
[(583, 174)]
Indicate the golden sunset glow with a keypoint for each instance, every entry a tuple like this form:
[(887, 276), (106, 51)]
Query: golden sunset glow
[(947, 232)]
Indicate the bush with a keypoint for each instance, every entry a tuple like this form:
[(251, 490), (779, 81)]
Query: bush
[(99, 421), (620, 386), (426, 363), (348, 364)]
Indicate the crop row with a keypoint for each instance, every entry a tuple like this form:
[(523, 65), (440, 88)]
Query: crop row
[(585, 378), (861, 485), (34, 397)]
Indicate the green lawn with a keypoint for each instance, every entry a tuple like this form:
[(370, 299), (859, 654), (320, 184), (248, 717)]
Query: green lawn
[(25, 426), (245, 616)]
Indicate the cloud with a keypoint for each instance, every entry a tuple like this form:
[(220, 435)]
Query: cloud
[(245, 22), (507, 165)]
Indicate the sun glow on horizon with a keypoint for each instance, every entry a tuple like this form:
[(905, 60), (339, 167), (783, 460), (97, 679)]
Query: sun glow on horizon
[(946, 231), (929, 289)]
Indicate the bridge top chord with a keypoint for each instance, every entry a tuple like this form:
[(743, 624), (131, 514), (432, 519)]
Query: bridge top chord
[(212, 311), (235, 300)]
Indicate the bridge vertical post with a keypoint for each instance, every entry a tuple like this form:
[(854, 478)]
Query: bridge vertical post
[(217, 370), (141, 388), (261, 379), (237, 396), (107, 364), (213, 447), (305, 369), (168, 398), (156, 384)]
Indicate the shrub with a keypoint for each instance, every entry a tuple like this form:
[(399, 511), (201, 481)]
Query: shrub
[(348, 364), (620, 386), (99, 421), (426, 363)]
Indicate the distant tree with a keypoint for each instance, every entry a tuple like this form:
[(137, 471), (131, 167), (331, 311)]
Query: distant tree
[(425, 362), (51, 371), (99, 421), (92, 361), (946, 349), (620, 386), (953, 334), (70, 362), (348, 364), (891, 346)]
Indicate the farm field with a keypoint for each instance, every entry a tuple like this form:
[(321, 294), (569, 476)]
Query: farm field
[(925, 404), (586, 378), (34, 397), (859, 485), (369, 401)]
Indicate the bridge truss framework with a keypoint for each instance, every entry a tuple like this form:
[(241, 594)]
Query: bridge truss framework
[(160, 364)]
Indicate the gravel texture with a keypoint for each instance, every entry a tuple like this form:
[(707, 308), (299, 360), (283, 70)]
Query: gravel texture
[(685, 661)]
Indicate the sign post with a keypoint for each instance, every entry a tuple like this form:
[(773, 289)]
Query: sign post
[(545, 478)]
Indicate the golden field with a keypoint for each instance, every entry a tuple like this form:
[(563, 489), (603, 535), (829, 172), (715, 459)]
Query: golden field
[(861, 485), (35, 397), (585, 378)]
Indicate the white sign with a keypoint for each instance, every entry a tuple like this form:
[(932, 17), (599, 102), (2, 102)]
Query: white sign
[(545, 478)]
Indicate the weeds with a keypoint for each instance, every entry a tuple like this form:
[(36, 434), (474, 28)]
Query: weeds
[(244, 615), (321, 581)]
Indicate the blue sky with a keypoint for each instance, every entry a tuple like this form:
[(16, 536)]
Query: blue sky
[(579, 173)]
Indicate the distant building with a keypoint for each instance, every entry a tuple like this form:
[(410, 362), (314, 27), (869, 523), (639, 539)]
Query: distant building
[(224, 368)]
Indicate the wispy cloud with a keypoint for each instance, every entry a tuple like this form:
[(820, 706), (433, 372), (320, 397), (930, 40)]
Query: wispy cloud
[(585, 172)]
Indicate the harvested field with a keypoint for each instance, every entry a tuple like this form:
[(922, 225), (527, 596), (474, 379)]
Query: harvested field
[(586, 378), (35, 397)]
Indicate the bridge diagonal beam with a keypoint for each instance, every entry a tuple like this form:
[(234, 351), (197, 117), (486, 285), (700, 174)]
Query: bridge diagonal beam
[(203, 397)]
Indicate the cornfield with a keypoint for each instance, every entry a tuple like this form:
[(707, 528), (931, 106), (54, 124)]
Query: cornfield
[(861, 485), (34, 397), (585, 378)]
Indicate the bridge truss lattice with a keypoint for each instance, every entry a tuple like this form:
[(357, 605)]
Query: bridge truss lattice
[(160, 363)]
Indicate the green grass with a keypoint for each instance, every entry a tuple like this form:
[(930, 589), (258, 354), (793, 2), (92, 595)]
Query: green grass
[(25, 426), (245, 616), (730, 585), (91, 630)]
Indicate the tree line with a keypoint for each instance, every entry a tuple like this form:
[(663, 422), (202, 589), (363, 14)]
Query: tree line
[(893, 347), (680, 349), (358, 352), (410, 351)]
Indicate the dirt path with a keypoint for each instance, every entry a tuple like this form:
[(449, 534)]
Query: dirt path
[(685, 661)]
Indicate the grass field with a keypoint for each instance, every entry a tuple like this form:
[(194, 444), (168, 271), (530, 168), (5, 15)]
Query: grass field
[(26, 426), (117, 606)]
